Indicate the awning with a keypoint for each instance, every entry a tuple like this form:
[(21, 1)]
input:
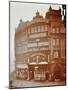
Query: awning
[(33, 63), (43, 63), (22, 66)]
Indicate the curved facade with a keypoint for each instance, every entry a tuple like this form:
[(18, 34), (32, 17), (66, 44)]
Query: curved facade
[(39, 43)]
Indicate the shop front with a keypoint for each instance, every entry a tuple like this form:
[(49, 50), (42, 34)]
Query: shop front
[(37, 72), (57, 71), (22, 71)]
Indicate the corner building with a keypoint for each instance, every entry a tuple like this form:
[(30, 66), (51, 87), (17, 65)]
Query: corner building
[(40, 47)]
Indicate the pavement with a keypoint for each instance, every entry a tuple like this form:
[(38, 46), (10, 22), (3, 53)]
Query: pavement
[(32, 83)]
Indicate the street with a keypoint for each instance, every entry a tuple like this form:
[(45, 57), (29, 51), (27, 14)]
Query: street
[(24, 83)]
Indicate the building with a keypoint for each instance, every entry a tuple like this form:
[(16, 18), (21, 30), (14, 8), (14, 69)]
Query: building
[(40, 47)]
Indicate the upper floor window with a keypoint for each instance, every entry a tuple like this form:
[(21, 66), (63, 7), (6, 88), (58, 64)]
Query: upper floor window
[(56, 54), (35, 29), (32, 30), (29, 31), (38, 35), (57, 30), (53, 42), (44, 48), (53, 30), (43, 43), (32, 44), (62, 30), (35, 49), (39, 29), (36, 44), (57, 41), (42, 28), (45, 27)]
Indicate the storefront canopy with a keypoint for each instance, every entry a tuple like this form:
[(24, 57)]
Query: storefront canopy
[(43, 62), (34, 63), (22, 66)]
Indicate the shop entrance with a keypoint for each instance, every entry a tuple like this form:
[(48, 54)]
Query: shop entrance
[(37, 72)]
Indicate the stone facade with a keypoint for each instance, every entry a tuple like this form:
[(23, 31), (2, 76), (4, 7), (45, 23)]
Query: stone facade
[(40, 46)]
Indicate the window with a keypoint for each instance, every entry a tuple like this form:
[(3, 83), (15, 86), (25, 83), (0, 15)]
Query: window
[(39, 30), (36, 44), (32, 44), (57, 41), (32, 30), (53, 30), (44, 48), (35, 49), (42, 28), (35, 29), (29, 31), (57, 30), (45, 27), (38, 35), (62, 30), (30, 49), (43, 43), (56, 54), (53, 42)]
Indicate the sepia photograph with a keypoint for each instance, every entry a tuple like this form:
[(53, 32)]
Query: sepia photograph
[(37, 44)]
